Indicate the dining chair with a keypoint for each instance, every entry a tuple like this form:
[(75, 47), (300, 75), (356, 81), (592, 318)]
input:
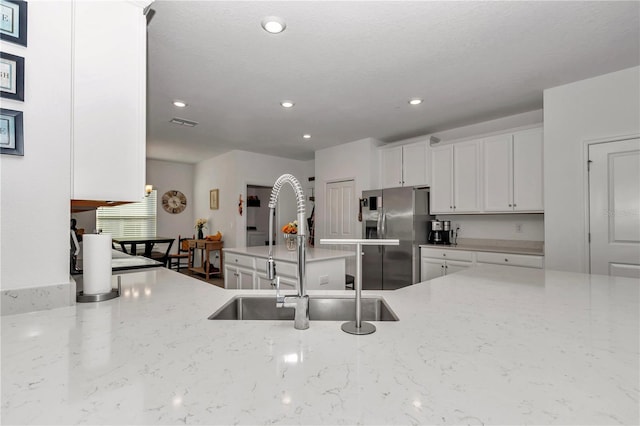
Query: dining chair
[(176, 259)]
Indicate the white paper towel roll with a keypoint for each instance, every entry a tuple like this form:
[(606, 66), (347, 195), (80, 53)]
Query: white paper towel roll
[(96, 262)]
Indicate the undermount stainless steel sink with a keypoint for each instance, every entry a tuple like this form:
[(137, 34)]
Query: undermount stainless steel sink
[(320, 309)]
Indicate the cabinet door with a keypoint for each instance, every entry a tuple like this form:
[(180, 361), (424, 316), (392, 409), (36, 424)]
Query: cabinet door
[(263, 283), (431, 268), (498, 175), (441, 180), (391, 167), (527, 171), (230, 278), (245, 279), (466, 177), (414, 164), (109, 101), (453, 266)]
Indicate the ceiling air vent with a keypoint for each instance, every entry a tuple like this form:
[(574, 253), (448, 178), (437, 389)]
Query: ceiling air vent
[(183, 122)]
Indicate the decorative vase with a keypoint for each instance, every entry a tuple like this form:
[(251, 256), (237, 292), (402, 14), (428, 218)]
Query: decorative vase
[(200, 235), (290, 241)]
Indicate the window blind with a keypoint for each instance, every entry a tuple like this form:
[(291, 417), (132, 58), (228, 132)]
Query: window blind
[(129, 220)]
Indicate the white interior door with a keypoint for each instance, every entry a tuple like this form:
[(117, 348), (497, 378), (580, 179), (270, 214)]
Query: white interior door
[(614, 208), (342, 214)]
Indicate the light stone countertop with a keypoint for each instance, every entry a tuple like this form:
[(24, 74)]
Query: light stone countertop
[(281, 253), (498, 246), (488, 345)]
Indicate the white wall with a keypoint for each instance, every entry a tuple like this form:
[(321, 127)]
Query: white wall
[(231, 173), (356, 160), (35, 189), (167, 175), (596, 108)]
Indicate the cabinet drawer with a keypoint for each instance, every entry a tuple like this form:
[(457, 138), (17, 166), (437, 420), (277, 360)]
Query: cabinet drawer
[(511, 259), (238, 260), (287, 269), (466, 256)]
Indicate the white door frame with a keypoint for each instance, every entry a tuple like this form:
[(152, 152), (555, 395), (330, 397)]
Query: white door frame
[(585, 179)]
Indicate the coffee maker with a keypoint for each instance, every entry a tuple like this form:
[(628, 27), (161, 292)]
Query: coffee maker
[(446, 232), (439, 232), (435, 232)]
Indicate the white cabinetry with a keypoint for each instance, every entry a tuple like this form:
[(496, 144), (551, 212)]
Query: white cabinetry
[(405, 165), (438, 262), (239, 271), (109, 101), (435, 262), (513, 172), (528, 261), (455, 183)]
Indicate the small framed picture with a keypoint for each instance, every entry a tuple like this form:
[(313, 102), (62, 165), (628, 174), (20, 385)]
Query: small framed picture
[(11, 77), (11, 132), (213, 199), (13, 21)]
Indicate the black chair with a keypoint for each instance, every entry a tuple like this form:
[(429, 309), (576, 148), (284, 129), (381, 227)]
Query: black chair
[(176, 259), (349, 281)]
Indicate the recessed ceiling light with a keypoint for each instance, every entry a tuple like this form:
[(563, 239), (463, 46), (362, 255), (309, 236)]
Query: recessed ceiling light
[(306, 136), (415, 101), (273, 24), (287, 104), (180, 104)]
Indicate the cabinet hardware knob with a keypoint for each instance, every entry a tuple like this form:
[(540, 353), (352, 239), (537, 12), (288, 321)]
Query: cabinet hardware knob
[(450, 207), (514, 205), (509, 205), (506, 260), (444, 254)]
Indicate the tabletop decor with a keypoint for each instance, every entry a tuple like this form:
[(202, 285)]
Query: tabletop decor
[(290, 231), (11, 77), (11, 132), (13, 21), (200, 225)]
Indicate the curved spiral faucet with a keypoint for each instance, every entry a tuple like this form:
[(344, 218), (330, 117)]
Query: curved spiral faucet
[(301, 301)]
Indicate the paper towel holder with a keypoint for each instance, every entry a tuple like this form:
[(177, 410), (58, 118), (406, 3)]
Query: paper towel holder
[(115, 292)]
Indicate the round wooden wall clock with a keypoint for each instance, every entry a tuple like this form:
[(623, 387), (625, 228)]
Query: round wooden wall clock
[(174, 201)]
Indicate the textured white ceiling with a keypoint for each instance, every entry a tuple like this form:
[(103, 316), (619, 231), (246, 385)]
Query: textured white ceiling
[(351, 67)]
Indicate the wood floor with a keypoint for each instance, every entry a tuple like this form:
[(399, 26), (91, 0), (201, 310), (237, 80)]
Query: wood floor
[(217, 281)]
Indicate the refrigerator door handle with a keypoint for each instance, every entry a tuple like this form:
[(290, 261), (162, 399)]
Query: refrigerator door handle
[(379, 225), (384, 224)]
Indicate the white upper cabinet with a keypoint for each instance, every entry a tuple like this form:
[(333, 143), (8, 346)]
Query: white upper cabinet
[(109, 101), (513, 172), (455, 183), (405, 165), (528, 193)]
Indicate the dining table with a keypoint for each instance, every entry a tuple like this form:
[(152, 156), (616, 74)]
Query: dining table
[(133, 242)]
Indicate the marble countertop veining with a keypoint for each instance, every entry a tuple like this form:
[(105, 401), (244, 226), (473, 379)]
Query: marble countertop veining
[(488, 345), (281, 253)]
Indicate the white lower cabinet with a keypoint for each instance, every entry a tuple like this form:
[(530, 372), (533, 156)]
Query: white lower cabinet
[(264, 283), (238, 278), (528, 261), (435, 262), (438, 262)]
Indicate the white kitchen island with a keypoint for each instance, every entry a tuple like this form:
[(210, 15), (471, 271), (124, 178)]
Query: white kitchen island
[(246, 268), (488, 345)]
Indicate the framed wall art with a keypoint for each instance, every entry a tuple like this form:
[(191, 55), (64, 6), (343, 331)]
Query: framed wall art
[(11, 132), (213, 199), (13, 21), (11, 77)]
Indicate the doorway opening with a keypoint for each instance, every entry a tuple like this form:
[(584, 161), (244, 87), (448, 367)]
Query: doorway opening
[(257, 215)]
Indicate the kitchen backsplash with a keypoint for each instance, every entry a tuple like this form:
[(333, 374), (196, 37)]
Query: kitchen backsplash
[(528, 227)]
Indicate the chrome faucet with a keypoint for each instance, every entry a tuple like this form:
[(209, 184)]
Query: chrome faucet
[(300, 302)]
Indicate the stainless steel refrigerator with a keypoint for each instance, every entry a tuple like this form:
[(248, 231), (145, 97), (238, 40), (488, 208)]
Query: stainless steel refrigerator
[(401, 213)]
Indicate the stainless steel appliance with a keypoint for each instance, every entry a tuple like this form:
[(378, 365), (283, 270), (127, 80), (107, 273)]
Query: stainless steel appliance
[(401, 213), (435, 232), (446, 232)]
